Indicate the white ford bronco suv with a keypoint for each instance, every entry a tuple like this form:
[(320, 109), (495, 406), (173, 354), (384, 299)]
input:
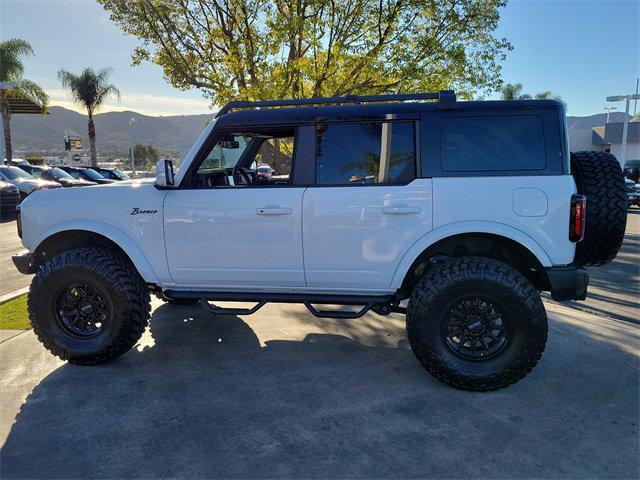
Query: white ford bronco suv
[(466, 209)]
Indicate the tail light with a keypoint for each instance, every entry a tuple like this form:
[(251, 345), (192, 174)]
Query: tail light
[(577, 217)]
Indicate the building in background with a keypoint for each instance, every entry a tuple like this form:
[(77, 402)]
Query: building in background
[(609, 139)]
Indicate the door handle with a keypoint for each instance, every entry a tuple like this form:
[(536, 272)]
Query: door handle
[(273, 211), (401, 209)]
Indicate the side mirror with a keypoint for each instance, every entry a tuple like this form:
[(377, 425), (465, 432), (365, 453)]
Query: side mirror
[(164, 174)]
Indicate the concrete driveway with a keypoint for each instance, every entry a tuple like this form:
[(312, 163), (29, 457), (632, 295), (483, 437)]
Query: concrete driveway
[(283, 394)]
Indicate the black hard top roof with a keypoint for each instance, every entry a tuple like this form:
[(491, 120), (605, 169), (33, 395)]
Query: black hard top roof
[(283, 115)]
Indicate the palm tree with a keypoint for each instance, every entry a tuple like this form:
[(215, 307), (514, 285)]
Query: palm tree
[(90, 89), (11, 69), (513, 91), (547, 95)]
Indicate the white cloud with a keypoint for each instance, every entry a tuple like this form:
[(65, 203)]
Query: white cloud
[(154, 105)]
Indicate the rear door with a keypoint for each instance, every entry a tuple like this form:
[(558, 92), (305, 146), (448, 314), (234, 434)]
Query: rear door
[(366, 207)]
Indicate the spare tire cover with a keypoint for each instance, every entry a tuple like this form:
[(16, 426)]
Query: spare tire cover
[(599, 177)]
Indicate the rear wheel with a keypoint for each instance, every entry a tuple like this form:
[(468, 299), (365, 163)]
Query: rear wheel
[(88, 305), (476, 324), (599, 177)]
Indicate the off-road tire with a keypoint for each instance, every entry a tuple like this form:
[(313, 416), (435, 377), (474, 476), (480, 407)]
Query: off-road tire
[(486, 279), (124, 290), (599, 177)]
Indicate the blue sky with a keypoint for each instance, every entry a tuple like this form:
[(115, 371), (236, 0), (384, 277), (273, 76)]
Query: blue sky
[(580, 50)]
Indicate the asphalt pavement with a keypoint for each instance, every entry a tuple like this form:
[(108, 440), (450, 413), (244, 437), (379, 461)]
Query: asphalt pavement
[(282, 394)]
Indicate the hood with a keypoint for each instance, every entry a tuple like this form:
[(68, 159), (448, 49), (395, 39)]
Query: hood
[(67, 182)]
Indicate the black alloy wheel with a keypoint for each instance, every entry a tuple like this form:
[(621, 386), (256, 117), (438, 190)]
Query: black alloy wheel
[(476, 329), (82, 310)]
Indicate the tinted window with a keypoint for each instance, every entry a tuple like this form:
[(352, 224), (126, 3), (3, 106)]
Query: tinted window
[(493, 143), (357, 153)]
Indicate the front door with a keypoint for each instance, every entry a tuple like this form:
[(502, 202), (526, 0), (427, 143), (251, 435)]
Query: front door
[(366, 208), (238, 223)]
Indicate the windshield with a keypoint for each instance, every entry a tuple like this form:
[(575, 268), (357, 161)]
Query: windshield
[(14, 172), (60, 174), (92, 174), (120, 174)]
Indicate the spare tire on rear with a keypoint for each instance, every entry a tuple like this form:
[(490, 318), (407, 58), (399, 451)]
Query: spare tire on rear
[(599, 177)]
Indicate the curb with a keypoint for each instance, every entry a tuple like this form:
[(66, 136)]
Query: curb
[(10, 296)]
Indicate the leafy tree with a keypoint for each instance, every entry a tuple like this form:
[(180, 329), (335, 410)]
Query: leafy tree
[(257, 49), (90, 89), (146, 156), (513, 91), (11, 70)]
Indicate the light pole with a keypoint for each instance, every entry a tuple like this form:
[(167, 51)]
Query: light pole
[(627, 98), (133, 162), (609, 110)]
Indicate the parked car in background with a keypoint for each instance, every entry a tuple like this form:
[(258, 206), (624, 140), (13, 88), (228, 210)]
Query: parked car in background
[(264, 172), (25, 182), (86, 174), (9, 200), (631, 170), (16, 161), (55, 174), (112, 173), (633, 192)]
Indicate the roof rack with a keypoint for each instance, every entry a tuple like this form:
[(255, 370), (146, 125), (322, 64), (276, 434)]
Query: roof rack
[(446, 99)]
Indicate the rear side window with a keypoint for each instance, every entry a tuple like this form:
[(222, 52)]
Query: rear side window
[(365, 153), (493, 143)]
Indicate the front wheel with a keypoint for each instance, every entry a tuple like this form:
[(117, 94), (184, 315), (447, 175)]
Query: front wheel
[(88, 305), (476, 324)]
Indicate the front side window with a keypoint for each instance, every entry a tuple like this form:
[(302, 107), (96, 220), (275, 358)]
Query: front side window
[(59, 174), (248, 159), (496, 143), (92, 174), (365, 153)]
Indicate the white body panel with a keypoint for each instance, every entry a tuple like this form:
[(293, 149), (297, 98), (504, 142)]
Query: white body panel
[(315, 240), (105, 210), (235, 237), (354, 237)]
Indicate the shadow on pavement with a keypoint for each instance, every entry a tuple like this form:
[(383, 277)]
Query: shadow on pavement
[(207, 399)]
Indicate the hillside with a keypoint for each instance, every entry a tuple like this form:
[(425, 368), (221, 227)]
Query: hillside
[(45, 132)]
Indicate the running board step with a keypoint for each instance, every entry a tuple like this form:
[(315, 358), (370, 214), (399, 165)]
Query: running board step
[(216, 310), (337, 313)]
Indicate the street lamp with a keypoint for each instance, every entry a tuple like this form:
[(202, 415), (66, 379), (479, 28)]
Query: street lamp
[(133, 162), (627, 98), (609, 110)]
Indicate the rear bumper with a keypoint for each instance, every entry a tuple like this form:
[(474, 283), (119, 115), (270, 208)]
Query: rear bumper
[(568, 283), (28, 263)]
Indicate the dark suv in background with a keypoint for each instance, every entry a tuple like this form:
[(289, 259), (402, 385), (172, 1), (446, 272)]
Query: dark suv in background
[(112, 173), (87, 174), (55, 174), (631, 170)]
